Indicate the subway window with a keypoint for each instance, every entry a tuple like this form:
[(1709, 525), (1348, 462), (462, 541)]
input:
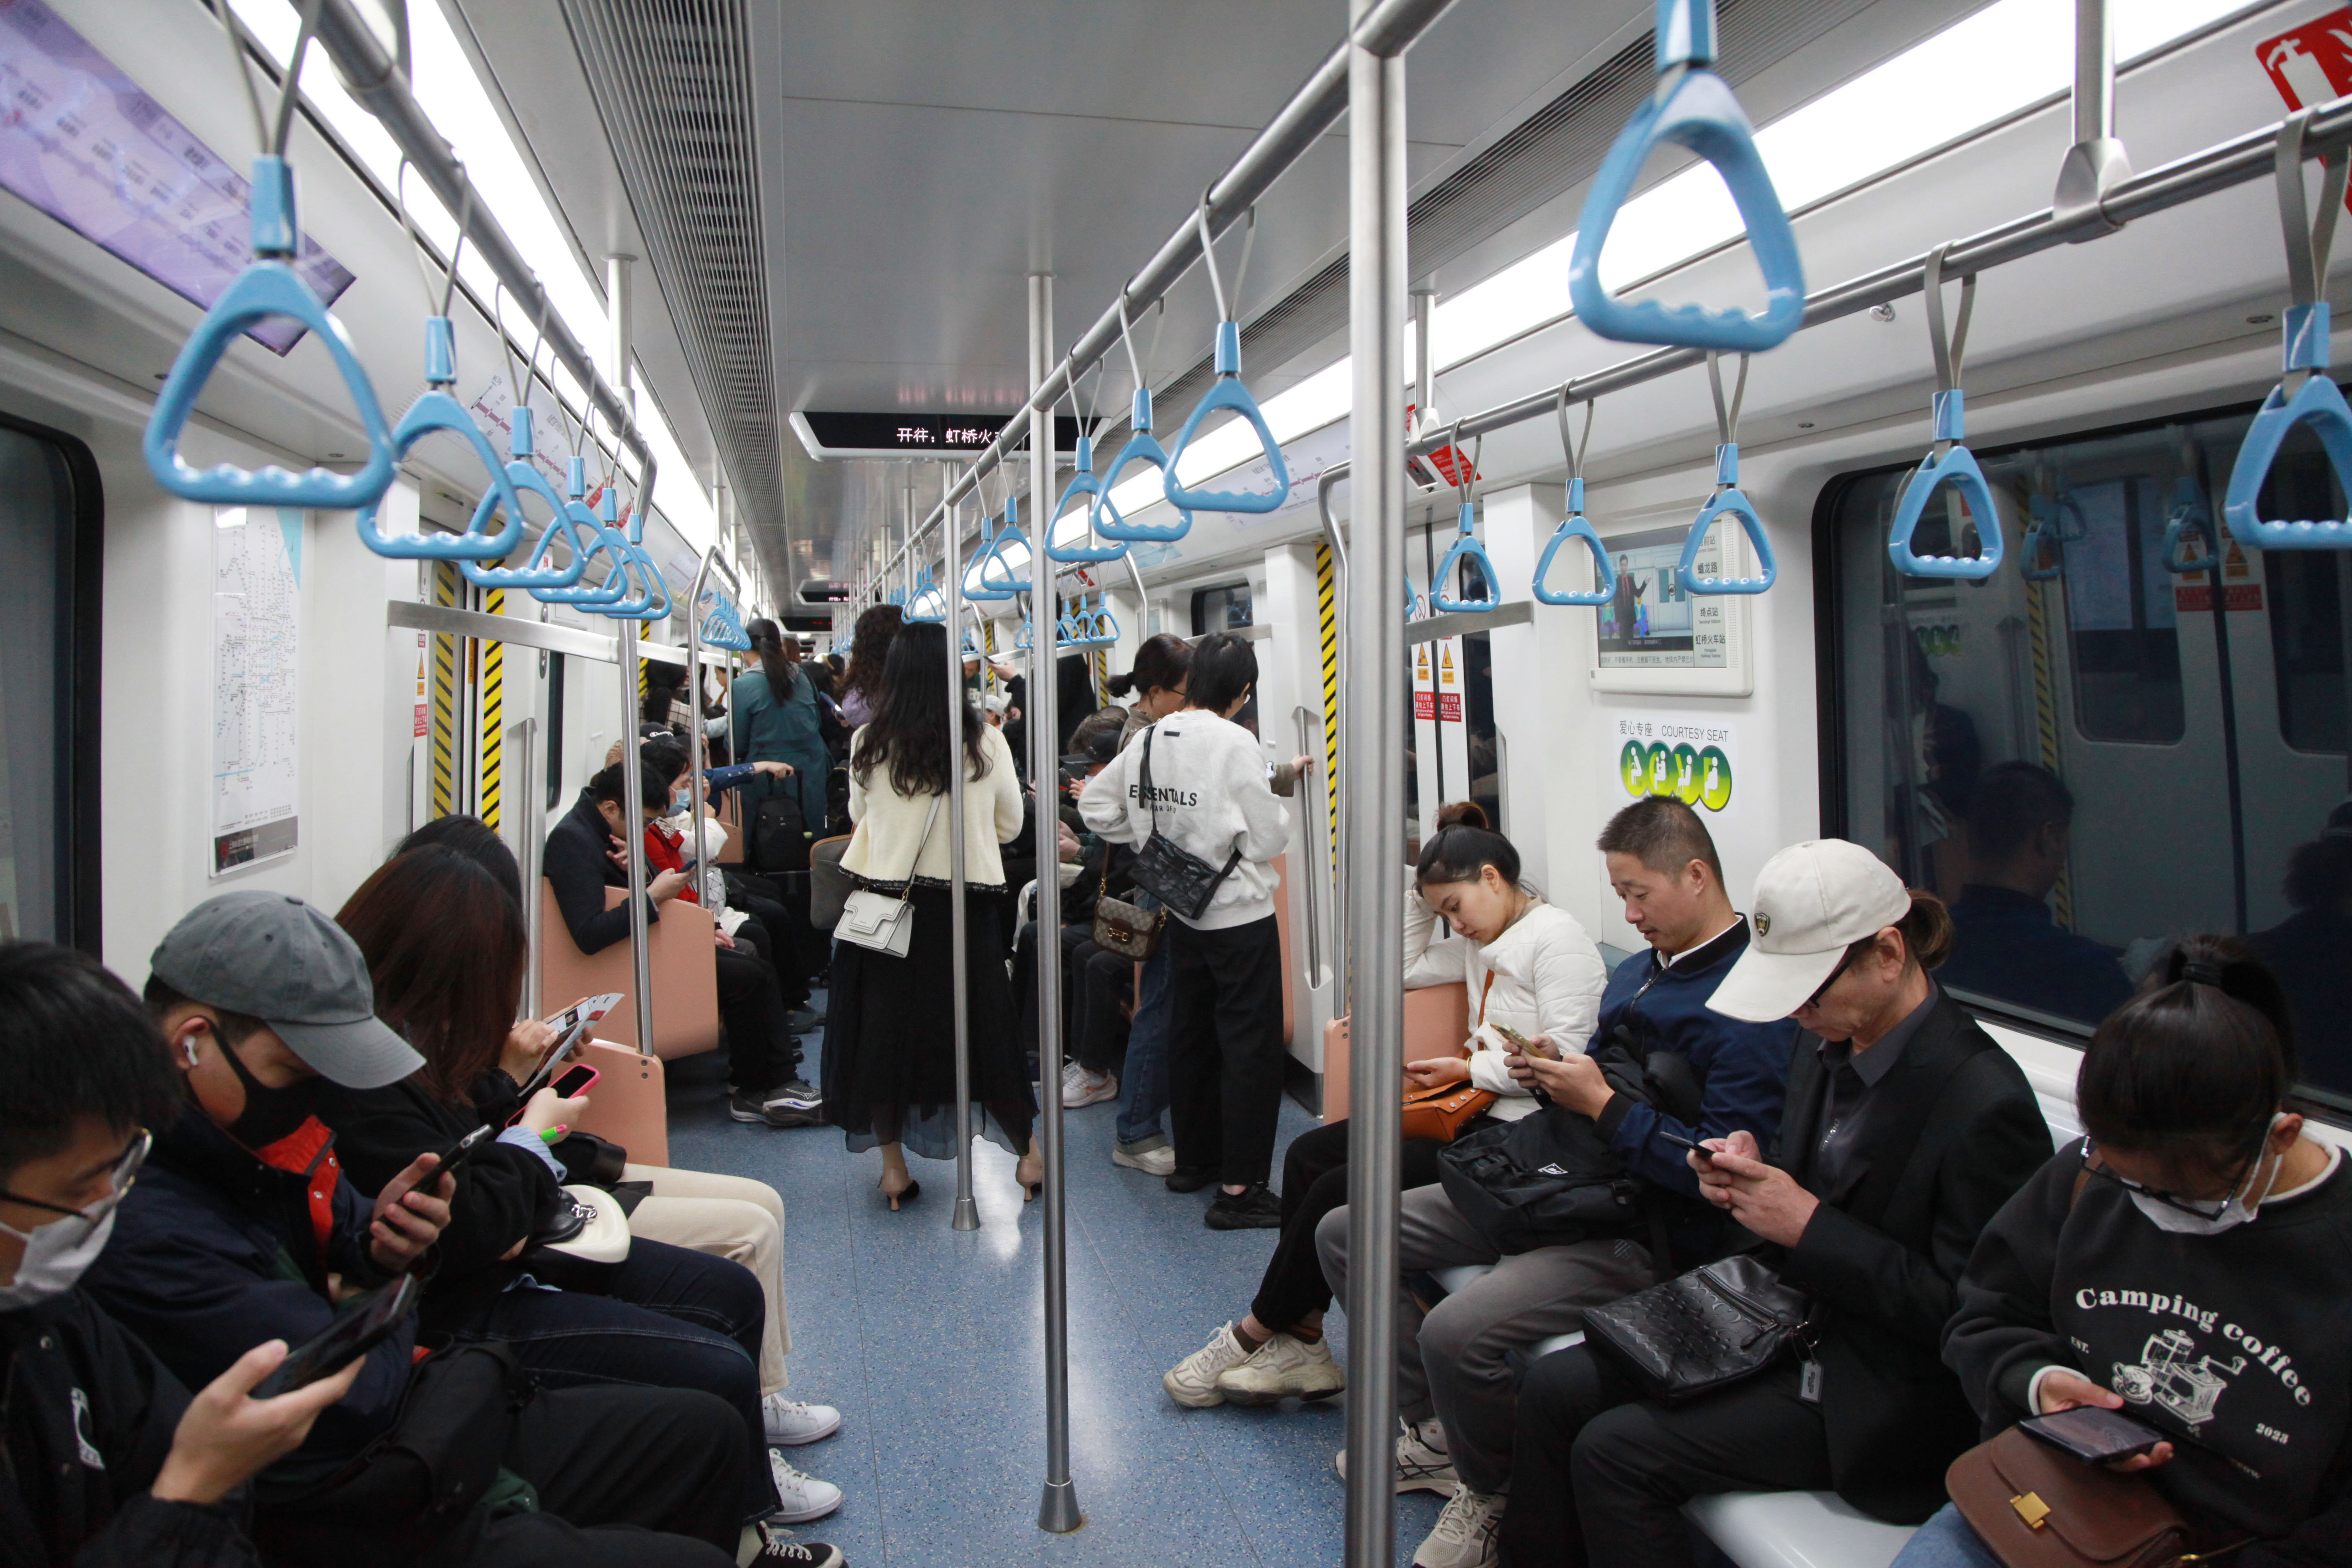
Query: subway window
[(2090, 754), (50, 513)]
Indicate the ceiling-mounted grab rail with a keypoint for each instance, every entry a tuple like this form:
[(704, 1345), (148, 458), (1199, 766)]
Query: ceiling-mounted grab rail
[(1948, 462), (1728, 499), (1141, 447), (436, 411), (1695, 109), (1465, 543), (1227, 392), (2307, 396), (267, 286), (1575, 525)]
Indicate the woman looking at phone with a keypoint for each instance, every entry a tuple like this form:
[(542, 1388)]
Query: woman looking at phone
[(2185, 1263), (1530, 970), (445, 948)]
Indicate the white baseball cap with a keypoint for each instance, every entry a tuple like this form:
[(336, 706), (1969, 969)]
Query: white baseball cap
[(1813, 901)]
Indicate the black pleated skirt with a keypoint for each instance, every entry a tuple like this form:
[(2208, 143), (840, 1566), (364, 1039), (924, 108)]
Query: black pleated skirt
[(890, 1036)]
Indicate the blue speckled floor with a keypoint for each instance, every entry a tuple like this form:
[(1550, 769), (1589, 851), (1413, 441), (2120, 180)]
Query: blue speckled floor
[(932, 1345)]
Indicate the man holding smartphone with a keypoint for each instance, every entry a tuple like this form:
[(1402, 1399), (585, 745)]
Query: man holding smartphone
[(243, 1230)]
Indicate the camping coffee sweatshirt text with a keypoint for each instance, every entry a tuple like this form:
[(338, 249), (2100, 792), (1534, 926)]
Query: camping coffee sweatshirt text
[(1210, 795), (2236, 1345)]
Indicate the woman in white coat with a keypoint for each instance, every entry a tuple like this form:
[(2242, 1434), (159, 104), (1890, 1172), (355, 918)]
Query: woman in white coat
[(1529, 967)]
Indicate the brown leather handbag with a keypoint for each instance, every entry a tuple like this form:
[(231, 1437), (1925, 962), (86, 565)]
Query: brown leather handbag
[(1441, 1112), (2034, 1506), (1125, 929)]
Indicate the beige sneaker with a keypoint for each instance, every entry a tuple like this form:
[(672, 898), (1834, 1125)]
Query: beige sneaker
[(1192, 1382), (1422, 1464), (1464, 1536), (1285, 1367)]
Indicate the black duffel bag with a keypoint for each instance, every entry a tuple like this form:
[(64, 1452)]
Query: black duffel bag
[(1545, 1179), (422, 1491)]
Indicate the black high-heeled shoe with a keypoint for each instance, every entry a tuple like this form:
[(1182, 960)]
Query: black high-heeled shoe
[(904, 1194)]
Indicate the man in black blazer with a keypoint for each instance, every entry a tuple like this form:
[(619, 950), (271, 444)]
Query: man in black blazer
[(1906, 1127)]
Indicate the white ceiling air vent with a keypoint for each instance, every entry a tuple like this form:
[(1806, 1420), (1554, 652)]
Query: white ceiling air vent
[(672, 82)]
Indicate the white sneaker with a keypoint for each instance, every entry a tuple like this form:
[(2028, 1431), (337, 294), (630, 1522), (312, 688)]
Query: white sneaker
[(1464, 1536), (1285, 1367), (1422, 1464), (1192, 1382), (1154, 1161), (1081, 1088), (800, 1497), (791, 1422)]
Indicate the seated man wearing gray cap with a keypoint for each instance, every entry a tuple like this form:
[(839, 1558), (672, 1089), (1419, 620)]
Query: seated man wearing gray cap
[(243, 1230), (1906, 1127)]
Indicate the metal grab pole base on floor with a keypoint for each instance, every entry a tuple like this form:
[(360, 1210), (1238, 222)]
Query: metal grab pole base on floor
[(1057, 1511)]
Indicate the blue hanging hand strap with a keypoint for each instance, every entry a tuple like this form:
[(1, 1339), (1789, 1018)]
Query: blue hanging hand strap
[(1141, 447), (2307, 396), (1083, 482), (1695, 109), (1007, 584), (723, 626), (267, 286), (1026, 637), (1574, 526), (2189, 520), (926, 589), (1412, 599), (1105, 623), (1465, 543), (2058, 522), (1226, 391), (436, 411), (1948, 462), (523, 478), (602, 528), (1727, 500)]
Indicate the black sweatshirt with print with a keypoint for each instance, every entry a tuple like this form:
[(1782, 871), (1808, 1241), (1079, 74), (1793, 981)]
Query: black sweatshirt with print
[(2238, 1346)]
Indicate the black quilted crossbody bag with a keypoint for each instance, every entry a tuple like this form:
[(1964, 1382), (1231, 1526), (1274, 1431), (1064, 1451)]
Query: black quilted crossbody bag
[(1165, 868)]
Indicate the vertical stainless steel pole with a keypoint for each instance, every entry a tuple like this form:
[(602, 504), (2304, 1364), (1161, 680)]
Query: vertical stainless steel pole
[(1373, 780), (1057, 1511), (967, 1212), (2097, 163), (633, 839), (524, 733)]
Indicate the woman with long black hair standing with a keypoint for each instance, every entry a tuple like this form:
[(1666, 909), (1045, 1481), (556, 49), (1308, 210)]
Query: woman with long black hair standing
[(869, 650), (890, 1040)]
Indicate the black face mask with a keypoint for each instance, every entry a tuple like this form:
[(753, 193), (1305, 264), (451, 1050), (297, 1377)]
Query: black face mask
[(270, 1114)]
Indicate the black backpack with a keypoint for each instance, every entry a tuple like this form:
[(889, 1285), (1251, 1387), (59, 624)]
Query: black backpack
[(424, 1488), (780, 834), (1545, 1179)]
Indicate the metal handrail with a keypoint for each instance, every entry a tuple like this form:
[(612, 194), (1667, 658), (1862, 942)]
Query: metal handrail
[(1309, 724)]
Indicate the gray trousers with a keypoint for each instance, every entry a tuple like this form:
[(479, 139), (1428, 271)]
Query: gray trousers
[(1453, 1361)]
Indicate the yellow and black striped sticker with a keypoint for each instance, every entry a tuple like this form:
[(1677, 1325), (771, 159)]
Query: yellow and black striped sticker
[(494, 719), (444, 770), (2045, 727), (1327, 612)]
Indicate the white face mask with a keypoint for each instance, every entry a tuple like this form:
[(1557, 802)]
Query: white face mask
[(54, 1261), (2239, 1209)]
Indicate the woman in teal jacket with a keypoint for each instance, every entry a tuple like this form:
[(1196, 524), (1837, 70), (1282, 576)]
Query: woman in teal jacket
[(776, 721)]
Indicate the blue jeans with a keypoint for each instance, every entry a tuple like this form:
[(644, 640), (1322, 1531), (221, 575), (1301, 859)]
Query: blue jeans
[(1945, 1541), (1147, 1044)]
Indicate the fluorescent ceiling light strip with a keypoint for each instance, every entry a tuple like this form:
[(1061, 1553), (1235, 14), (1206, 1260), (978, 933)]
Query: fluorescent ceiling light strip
[(1972, 74)]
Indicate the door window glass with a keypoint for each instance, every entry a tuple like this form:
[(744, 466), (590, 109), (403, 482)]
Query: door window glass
[(41, 743), (2089, 754)]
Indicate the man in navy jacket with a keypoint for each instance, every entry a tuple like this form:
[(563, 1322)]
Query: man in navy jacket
[(243, 1230)]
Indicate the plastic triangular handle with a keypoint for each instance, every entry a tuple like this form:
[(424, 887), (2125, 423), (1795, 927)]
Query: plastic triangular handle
[(1700, 113), (1728, 504), (435, 411), (1575, 526), (265, 289), (522, 478), (1465, 548), (1227, 392), (2318, 404), (1957, 468)]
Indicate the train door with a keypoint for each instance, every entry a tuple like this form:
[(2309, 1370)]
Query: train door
[(2188, 744)]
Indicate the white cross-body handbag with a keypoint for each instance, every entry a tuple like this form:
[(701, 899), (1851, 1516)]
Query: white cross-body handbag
[(876, 919)]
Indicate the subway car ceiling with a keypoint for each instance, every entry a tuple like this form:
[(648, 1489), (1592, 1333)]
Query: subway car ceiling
[(852, 228)]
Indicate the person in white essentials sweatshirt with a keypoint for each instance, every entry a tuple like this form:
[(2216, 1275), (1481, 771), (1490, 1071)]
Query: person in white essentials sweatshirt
[(1209, 794)]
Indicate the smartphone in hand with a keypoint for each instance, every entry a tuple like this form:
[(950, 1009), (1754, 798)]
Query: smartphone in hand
[(357, 1330), (1706, 1154), (457, 1153), (2094, 1435), (574, 1080), (1526, 1047)]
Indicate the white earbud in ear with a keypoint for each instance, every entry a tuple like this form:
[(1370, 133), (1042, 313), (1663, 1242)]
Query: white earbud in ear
[(188, 1049)]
